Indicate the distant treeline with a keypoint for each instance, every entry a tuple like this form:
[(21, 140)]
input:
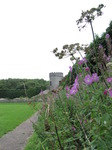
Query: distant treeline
[(15, 88)]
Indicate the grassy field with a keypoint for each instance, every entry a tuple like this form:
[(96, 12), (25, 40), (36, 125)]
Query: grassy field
[(13, 114)]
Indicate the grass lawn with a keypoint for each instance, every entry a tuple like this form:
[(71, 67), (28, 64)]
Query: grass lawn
[(13, 114)]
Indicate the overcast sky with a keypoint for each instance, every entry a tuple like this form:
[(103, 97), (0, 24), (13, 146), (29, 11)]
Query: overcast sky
[(31, 29)]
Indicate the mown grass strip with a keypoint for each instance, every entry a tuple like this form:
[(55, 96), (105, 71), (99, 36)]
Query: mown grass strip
[(13, 114)]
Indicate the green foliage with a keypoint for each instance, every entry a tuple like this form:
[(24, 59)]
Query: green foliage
[(12, 88), (82, 122), (80, 118), (32, 143)]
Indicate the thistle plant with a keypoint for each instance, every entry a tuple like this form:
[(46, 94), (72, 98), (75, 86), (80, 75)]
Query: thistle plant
[(88, 16), (70, 51)]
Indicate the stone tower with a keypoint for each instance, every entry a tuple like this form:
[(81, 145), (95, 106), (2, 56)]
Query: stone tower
[(55, 78)]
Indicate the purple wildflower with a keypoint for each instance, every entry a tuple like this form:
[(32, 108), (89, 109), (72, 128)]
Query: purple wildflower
[(80, 122), (108, 58), (67, 88), (76, 84), (100, 46), (88, 79), (104, 56), (80, 74), (87, 69), (67, 91), (105, 92), (110, 92), (80, 62), (95, 77), (85, 121), (73, 90), (76, 79), (109, 79), (70, 69), (75, 87), (107, 36), (73, 128), (67, 95), (84, 60)]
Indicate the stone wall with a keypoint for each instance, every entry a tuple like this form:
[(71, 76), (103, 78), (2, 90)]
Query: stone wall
[(55, 78), (18, 100)]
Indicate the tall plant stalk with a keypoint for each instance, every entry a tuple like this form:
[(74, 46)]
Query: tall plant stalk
[(87, 17), (56, 129), (94, 44)]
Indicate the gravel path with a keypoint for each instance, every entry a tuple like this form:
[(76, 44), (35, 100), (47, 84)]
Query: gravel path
[(17, 139)]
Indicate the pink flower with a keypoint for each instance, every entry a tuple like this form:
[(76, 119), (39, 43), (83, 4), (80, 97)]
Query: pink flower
[(70, 69), (67, 95), (104, 56), (108, 58), (67, 88), (73, 128), (73, 90), (109, 79), (95, 77), (105, 92), (75, 87), (110, 92), (87, 69), (76, 84), (88, 79), (100, 46), (80, 62), (107, 36), (80, 122), (84, 60), (85, 121)]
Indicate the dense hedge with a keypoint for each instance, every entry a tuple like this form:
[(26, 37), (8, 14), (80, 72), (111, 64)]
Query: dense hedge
[(13, 88)]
